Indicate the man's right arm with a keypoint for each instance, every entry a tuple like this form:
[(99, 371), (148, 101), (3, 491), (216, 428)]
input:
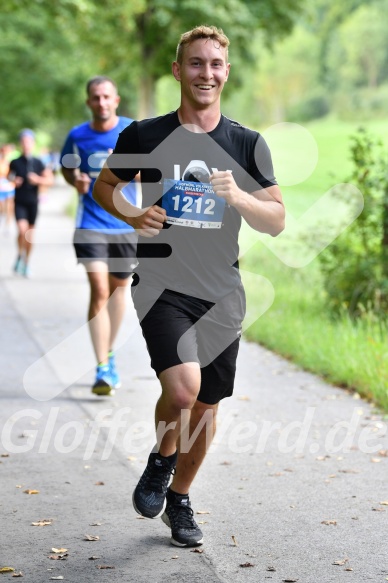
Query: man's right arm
[(79, 180), (147, 222), (73, 176)]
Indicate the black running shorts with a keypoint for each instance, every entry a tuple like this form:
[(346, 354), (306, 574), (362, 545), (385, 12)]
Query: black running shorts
[(26, 212), (180, 328), (117, 251)]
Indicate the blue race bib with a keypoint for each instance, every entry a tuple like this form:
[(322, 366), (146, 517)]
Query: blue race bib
[(192, 204)]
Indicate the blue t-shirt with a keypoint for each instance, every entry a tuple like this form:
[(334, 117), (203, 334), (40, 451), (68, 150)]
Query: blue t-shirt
[(87, 149)]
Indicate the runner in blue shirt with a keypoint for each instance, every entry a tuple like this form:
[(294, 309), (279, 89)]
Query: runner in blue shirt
[(104, 244)]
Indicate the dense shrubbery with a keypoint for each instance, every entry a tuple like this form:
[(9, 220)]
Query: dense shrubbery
[(354, 266), (313, 107)]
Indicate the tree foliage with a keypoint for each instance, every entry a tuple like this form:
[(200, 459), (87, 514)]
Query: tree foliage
[(49, 49), (335, 59), (42, 67)]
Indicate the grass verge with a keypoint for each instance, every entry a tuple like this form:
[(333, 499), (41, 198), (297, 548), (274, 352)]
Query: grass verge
[(298, 326)]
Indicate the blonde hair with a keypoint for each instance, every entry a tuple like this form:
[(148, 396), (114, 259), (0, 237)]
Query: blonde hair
[(203, 31)]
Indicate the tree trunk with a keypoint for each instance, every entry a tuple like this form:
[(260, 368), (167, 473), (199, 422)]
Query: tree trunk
[(146, 103), (146, 107)]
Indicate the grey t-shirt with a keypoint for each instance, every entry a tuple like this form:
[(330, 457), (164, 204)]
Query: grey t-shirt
[(196, 253)]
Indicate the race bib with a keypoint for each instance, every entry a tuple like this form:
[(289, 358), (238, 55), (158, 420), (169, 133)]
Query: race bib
[(96, 162), (192, 204)]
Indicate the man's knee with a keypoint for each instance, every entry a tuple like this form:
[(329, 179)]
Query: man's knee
[(180, 386), (182, 398)]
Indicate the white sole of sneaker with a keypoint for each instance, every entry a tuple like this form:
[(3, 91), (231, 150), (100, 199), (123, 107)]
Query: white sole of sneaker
[(176, 543)]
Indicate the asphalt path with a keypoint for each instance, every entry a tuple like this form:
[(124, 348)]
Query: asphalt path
[(294, 487)]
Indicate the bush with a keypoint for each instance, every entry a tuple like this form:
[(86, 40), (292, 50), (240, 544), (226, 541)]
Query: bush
[(310, 108), (362, 103), (355, 266)]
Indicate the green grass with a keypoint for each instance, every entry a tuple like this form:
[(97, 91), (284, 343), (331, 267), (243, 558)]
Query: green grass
[(71, 208), (334, 163), (298, 324)]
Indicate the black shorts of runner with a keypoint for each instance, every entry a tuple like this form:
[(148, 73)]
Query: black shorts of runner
[(180, 328), (117, 251), (26, 212)]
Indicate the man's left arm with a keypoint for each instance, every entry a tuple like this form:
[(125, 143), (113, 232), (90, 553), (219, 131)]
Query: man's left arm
[(263, 209)]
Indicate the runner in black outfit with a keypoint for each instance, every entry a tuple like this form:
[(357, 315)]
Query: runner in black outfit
[(200, 173), (28, 173)]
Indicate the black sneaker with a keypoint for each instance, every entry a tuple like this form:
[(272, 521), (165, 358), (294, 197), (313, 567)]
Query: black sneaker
[(149, 496), (178, 515)]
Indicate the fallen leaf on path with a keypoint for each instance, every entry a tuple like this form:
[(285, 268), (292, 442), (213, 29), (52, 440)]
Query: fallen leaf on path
[(290, 580), (59, 557), (247, 565), (271, 569), (95, 524), (234, 540), (91, 537), (378, 509), (31, 492), (196, 551), (375, 460), (243, 398), (100, 484), (202, 521), (348, 569), (93, 558), (6, 569), (131, 458), (59, 578), (43, 522), (203, 512), (329, 522), (175, 557), (105, 567), (54, 550), (384, 503), (18, 486), (5, 455), (341, 561), (20, 574), (383, 452)]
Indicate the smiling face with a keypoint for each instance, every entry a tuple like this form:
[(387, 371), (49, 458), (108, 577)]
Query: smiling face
[(202, 73), (103, 101)]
